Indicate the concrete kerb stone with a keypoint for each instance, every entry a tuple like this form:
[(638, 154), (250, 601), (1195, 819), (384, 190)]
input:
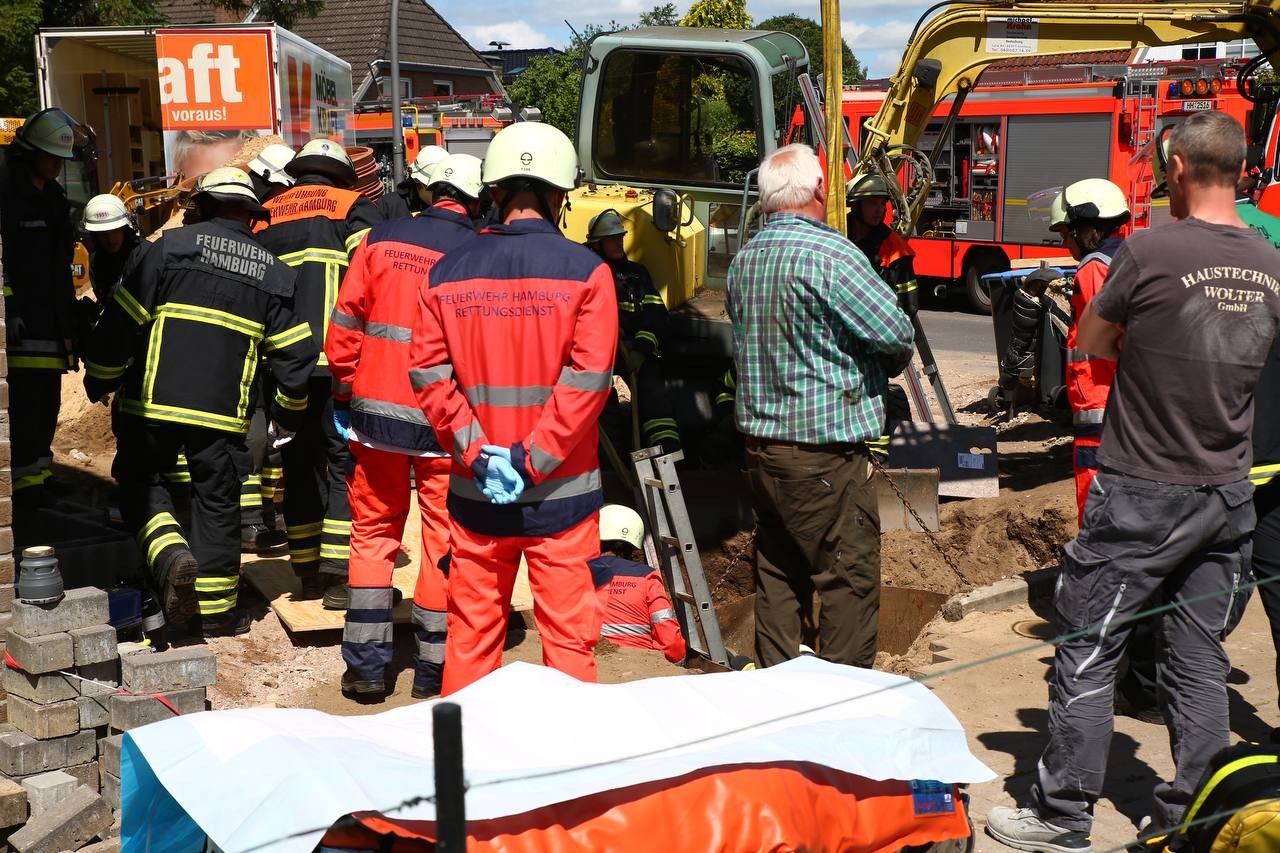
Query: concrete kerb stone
[(1001, 595), (176, 669), (95, 711), (131, 712), (41, 689), (69, 826), (98, 679), (55, 720), (109, 753), (38, 655), (79, 608), (13, 803), (87, 774), (111, 790), (95, 644), (46, 790)]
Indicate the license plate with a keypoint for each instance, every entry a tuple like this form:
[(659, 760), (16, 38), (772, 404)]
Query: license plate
[(1197, 106)]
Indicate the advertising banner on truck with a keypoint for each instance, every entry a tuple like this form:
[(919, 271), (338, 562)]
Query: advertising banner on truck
[(316, 89), (216, 90)]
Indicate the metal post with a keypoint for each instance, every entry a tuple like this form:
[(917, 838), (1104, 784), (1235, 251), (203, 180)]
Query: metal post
[(451, 809), (397, 128), (833, 69)]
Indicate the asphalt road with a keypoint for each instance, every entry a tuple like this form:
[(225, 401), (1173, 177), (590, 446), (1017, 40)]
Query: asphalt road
[(959, 332)]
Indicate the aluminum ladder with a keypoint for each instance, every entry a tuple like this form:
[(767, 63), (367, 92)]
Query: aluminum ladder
[(678, 559)]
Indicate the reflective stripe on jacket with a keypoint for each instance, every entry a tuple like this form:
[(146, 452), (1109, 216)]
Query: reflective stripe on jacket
[(1089, 378), (188, 323), (371, 329), (637, 612), (514, 347), (315, 227)]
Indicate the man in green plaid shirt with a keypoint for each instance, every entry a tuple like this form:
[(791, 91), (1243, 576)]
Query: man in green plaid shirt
[(817, 334)]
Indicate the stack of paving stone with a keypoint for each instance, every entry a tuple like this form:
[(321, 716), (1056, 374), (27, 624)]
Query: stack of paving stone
[(60, 749)]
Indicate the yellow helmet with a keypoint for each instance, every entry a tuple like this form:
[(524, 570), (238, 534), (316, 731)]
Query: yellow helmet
[(605, 224), (620, 523), (1092, 198)]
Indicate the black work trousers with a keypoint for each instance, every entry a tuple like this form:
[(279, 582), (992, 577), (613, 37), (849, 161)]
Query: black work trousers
[(317, 511), (1185, 546), (1266, 558), (817, 530), (35, 395), (144, 450)]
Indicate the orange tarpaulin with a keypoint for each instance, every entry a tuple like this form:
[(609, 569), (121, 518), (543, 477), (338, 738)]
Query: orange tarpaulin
[(778, 807)]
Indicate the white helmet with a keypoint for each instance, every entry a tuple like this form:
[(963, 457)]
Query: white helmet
[(531, 149), (226, 183), (426, 160), (1092, 198), (51, 131), (324, 157), (460, 171), (620, 523), (271, 162), (106, 212)]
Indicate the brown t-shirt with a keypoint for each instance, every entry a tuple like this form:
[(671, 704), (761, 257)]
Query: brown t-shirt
[(1200, 304)]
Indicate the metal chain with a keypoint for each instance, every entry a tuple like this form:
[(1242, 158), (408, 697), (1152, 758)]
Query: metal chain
[(933, 537)]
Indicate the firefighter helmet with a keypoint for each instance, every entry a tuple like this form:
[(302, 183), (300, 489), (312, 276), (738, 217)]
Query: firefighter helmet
[(620, 523), (425, 162), (106, 212), (326, 158), (271, 162), (869, 186), (1090, 199), (533, 150), (226, 183), (606, 224), (51, 131), (460, 171)]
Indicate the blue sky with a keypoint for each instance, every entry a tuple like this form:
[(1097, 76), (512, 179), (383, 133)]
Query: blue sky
[(875, 29)]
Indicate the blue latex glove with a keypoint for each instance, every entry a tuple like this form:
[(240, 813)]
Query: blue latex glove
[(342, 423), (501, 483)]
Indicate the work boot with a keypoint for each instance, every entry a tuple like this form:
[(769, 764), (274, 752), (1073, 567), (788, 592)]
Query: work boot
[(337, 597), (233, 623), (269, 540), (313, 585), (1024, 829), (249, 534), (180, 603), (355, 686), (1125, 707)]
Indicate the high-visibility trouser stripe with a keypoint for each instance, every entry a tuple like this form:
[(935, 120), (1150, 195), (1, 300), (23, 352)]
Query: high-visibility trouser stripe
[(663, 615), (157, 545), (42, 362), (367, 632), (131, 306), (730, 380), (217, 594), (624, 630), (1260, 475), (335, 551), (650, 337), (157, 521), (724, 397), (367, 635), (336, 526), (251, 492), (299, 555), (271, 477), (8, 290), (304, 542), (29, 480), (1088, 416), (906, 286), (429, 633), (180, 472), (629, 307), (301, 531), (287, 338), (652, 299), (102, 371), (214, 317)]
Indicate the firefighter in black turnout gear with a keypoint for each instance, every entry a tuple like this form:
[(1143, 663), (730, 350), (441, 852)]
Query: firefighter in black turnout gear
[(643, 323), (39, 297), (181, 340), (890, 254), (315, 227)]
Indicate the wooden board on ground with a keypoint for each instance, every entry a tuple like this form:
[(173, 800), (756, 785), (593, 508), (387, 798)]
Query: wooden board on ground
[(273, 577)]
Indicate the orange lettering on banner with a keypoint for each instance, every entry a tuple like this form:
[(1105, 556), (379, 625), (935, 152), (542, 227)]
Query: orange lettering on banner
[(215, 81)]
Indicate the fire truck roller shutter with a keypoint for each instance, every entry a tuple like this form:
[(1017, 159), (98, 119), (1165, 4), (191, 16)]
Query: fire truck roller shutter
[(1042, 152)]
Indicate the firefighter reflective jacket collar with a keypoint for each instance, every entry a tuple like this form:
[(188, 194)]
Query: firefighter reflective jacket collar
[(522, 226)]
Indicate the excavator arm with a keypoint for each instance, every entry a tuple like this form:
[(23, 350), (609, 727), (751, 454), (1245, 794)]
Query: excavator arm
[(948, 52)]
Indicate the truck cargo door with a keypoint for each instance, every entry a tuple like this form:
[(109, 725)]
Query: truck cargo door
[(1043, 154)]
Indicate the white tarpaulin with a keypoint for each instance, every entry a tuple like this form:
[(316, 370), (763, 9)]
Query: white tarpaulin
[(274, 779)]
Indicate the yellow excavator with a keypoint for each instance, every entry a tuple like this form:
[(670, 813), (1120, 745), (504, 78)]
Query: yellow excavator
[(674, 121)]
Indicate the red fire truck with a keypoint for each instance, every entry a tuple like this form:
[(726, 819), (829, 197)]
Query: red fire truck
[(1024, 133)]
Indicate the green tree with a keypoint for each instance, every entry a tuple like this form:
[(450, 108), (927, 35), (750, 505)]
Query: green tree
[(661, 16), (22, 18), (286, 13), (726, 14), (810, 34), (552, 84)]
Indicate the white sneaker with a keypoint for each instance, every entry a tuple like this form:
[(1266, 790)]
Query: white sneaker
[(1024, 829)]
